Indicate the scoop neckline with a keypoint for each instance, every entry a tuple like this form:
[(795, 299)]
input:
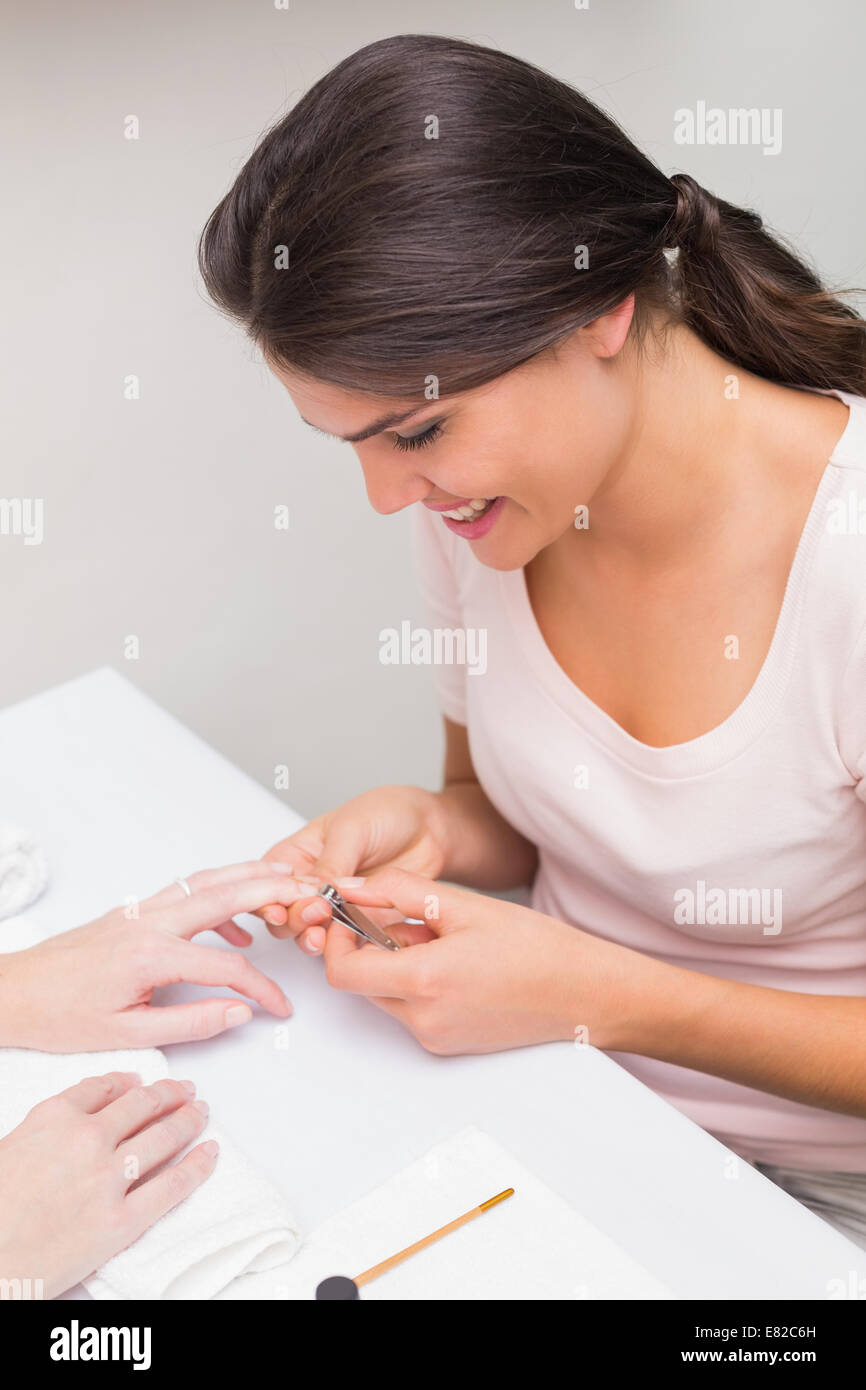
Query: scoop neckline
[(747, 721)]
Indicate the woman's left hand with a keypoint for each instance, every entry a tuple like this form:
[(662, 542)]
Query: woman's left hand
[(482, 975)]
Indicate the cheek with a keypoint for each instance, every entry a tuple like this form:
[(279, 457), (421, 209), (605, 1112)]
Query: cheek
[(473, 467), (506, 459), (580, 457)]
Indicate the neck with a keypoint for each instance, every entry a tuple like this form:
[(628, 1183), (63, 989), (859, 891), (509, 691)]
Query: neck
[(707, 441)]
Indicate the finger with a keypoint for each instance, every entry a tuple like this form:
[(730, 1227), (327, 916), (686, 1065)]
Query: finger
[(162, 1140), (150, 1025), (411, 933), (308, 916), (204, 966), (215, 905), (181, 962), (233, 934), (167, 1189), (95, 1092), (211, 878), (343, 848), (278, 918), (364, 968), (440, 905), (312, 941), (307, 910), (301, 851), (141, 1105)]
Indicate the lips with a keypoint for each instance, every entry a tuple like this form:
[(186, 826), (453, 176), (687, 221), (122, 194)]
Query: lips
[(473, 529)]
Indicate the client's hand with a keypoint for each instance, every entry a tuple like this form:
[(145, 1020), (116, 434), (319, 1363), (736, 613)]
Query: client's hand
[(91, 988), (77, 1179), (401, 827)]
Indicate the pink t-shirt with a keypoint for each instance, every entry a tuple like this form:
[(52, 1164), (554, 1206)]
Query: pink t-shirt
[(741, 853)]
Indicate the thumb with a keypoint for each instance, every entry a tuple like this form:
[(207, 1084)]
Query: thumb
[(344, 844), (300, 851), (343, 848), (440, 906)]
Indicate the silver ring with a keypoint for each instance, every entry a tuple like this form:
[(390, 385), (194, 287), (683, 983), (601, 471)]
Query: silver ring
[(185, 886)]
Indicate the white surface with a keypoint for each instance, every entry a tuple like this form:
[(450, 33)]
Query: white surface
[(338, 1098), (531, 1246)]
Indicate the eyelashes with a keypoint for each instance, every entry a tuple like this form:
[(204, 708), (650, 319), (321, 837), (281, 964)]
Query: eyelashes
[(417, 441)]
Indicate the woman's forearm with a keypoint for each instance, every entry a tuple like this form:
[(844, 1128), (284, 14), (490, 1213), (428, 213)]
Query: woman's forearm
[(806, 1047), (481, 849)]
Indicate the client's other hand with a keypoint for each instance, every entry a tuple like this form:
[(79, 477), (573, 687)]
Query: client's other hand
[(91, 988), (82, 1176)]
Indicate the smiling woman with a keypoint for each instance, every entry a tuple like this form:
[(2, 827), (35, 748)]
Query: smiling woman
[(460, 265)]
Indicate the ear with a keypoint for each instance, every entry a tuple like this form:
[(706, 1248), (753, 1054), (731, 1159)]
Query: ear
[(606, 335)]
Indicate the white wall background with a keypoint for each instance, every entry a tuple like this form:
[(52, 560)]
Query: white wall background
[(158, 512)]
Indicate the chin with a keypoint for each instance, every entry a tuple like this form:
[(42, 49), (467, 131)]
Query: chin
[(503, 554)]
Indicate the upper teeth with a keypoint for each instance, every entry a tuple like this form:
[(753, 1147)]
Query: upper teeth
[(468, 509)]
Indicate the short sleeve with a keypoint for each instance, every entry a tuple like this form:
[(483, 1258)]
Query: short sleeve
[(435, 569)]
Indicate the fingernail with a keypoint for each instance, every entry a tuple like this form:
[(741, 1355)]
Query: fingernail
[(238, 1013), (314, 912), (201, 1106), (189, 1087), (280, 868), (276, 918), (349, 882), (133, 1075), (315, 938), (211, 1148)]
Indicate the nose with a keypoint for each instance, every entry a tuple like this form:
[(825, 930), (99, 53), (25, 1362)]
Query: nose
[(391, 486)]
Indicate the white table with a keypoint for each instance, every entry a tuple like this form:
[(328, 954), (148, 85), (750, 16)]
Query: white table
[(124, 798)]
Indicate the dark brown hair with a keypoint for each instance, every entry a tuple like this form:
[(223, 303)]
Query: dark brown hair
[(359, 251)]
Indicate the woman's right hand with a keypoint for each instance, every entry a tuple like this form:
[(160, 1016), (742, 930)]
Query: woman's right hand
[(400, 827), (82, 1175)]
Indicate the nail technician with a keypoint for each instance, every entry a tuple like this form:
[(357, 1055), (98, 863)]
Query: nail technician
[(629, 425)]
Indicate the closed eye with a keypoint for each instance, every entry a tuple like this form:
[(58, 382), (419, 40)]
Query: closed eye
[(417, 441)]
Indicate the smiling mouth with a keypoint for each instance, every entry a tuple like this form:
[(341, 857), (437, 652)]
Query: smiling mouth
[(470, 511)]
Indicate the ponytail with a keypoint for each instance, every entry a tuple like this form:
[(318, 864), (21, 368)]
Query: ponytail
[(757, 304)]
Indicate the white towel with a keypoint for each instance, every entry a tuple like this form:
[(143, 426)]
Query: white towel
[(533, 1246), (235, 1223), (23, 869)]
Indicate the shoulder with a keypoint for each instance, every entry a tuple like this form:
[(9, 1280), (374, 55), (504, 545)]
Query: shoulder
[(835, 636), (839, 519)]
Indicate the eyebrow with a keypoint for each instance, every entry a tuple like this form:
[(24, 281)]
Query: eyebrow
[(383, 423)]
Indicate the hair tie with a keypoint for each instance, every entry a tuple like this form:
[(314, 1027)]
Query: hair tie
[(695, 219)]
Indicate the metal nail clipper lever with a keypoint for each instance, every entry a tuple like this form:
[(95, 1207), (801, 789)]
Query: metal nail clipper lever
[(353, 918)]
